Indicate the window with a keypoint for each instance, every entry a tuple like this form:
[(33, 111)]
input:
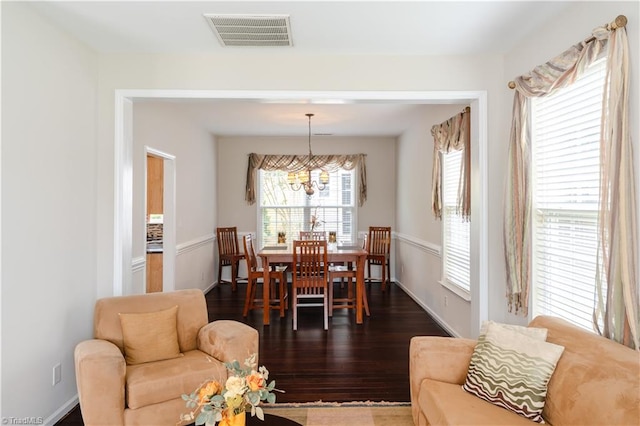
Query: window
[(283, 209), (565, 166), (456, 231)]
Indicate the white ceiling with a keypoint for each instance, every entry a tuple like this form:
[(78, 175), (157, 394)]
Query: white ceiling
[(317, 27)]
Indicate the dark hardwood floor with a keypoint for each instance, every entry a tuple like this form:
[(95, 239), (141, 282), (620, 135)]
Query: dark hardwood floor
[(349, 362)]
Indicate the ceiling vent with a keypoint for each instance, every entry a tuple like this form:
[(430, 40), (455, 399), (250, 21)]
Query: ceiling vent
[(251, 30)]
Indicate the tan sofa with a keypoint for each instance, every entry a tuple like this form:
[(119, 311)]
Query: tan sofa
[(114, 393), (596, 381)]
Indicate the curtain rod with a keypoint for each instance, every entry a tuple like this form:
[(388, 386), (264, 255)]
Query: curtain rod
[(619, 22)]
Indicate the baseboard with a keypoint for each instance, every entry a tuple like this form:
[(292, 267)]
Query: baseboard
[(442, 323), (62, 411)]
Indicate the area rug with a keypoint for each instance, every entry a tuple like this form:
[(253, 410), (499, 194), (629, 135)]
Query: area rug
[(356, 413)]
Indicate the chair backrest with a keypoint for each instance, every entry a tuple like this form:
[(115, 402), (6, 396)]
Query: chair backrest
[(192, 314), (249, 253), (313, 235), (379, 241), (310, 266), (227, 240)]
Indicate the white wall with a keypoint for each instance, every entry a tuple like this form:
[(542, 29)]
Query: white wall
[(418, 252), (166, 127), (287, 73), (49, 125)]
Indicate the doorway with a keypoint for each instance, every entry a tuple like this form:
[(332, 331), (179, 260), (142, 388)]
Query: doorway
[(123, 165), (159, 221)]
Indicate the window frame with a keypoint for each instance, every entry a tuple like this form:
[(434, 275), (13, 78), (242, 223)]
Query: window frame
[(584, 217), (314, 206), (446, 280)]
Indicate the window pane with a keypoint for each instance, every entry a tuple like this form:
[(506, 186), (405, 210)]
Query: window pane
[(283, 209), (456, 232), (566, 167)]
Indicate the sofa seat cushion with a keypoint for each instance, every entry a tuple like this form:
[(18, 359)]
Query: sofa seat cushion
[(448, 404), (164, 380)]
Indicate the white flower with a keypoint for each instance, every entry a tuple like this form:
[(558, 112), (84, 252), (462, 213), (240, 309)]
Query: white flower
[(235, 386)]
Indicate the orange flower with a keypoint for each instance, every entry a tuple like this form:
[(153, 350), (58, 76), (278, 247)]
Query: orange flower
[(255, 381), (208, 390)]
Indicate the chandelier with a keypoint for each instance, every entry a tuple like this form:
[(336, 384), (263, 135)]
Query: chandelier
[(302, 179)]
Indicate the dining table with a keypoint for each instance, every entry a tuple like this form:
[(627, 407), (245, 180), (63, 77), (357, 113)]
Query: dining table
[(283, 253)]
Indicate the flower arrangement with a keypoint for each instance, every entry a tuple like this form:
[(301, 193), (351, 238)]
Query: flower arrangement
[(315, 222), (244, 389)]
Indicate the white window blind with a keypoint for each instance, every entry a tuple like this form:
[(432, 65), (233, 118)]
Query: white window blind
[(565, 154), (456, 231), (284, 210)]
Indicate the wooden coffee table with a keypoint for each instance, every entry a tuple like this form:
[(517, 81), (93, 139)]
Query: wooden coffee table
[(270, 420)]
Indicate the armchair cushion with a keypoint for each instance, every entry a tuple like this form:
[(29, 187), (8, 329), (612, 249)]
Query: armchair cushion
[(150, 336), (161, 381)]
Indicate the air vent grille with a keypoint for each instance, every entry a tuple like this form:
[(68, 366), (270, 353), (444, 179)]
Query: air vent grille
[(251, 30)]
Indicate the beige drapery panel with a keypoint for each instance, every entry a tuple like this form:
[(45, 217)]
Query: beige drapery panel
[(452, 135), (559, 72), (617, 212), (617, 216), (297, 163)]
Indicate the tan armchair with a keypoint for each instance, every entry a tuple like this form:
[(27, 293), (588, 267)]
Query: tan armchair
[(113, 391)]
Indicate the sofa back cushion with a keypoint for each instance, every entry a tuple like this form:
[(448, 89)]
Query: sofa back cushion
[(596, 380), (191, 315)]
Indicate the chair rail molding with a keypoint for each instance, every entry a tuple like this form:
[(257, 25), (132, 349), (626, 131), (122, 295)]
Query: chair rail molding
[(196, 243), (423, 245)]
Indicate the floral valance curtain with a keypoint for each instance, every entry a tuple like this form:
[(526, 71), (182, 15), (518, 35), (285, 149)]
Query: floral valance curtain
[(452, 135), (297, 163), (617, 226)]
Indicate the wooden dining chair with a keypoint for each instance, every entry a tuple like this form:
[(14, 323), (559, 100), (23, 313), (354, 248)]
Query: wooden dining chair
[(347, 301), (277, 300), (378, 246), (309, 277), (313, 235), (349, 273), (228, 253)]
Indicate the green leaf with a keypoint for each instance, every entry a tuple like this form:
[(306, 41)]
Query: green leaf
[(271, 399), (201, 419), (259, 413)]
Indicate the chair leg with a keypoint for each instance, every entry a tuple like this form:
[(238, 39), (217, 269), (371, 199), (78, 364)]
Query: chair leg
[(219, 271), (368, 272), (295, 312), (326, 316), (330, 288), (282, 296), (383, 276), (388, 273), (234, 272), (248, 301)]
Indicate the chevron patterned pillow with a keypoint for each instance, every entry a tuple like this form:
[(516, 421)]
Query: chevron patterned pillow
[(512, 370)]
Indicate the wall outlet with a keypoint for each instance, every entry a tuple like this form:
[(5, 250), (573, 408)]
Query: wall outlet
[(57, 374), (446, 301)]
